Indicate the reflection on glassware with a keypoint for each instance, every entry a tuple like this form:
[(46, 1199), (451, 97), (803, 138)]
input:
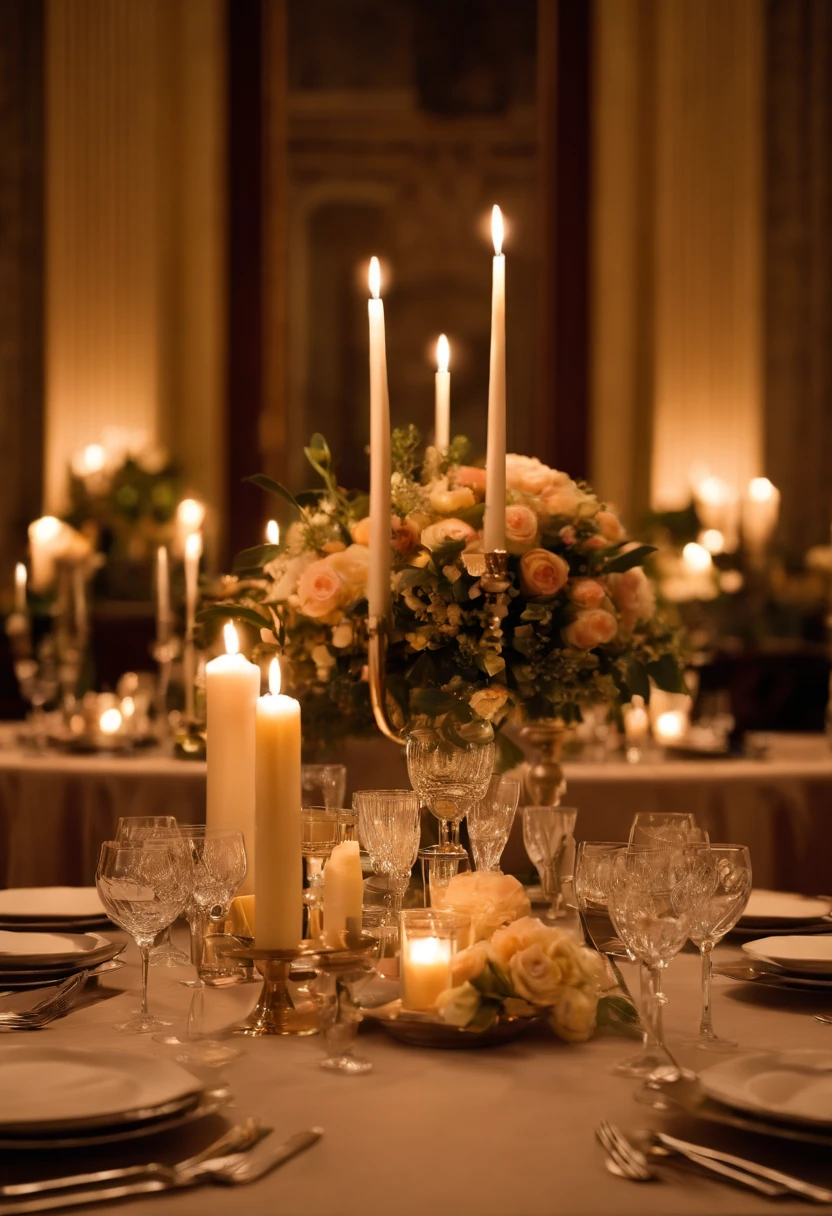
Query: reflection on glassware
[(450, 777), (324, 784), (321, 829), (389, 827), (716, 913), (549, 837), (218, 860), (490, 820), (146, 827), (37, 679), (144, 885)]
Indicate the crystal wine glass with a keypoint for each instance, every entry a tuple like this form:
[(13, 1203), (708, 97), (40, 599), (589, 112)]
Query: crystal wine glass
[(650, 827), (324, 784), (713, 916), (490, 820), (218, 860), (37, 679), (144, 885), (548, 833), (449, 777), (143, 827), (389, 827)]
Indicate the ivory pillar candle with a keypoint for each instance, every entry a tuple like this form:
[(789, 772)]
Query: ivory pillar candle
[(378, 581), (494, 528), (426, 971), (442, 398), (231, 688), (760, 513), (279, 920), (343, 891)]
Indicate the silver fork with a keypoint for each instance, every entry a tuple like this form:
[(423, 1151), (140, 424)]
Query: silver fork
[(622, 1164), (46, 1010)]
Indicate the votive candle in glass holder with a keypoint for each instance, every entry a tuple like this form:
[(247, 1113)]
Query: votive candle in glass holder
[(428, 941)]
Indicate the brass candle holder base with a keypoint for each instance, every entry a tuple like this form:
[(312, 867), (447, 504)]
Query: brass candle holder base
[(275, 1012)]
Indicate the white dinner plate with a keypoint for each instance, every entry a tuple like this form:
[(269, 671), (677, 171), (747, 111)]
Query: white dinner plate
[(790, 1086), (50, 903), (39, 950), (807, 955), (60, 1089), (783, 907)]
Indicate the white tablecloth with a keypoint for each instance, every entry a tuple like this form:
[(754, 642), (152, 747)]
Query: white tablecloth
[(502, 1132)]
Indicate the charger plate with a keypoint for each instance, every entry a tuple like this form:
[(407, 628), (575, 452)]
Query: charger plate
[(793, 1086), (54, 952), (689, 1097)]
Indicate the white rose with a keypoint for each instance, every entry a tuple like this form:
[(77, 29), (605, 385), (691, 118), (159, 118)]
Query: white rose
[(489, 701), (566, 499), (286, 578), (353, 565), (321, 590), (573, 1017), (439, 534), (459, 1006), (468, 964), (491, 900), (592, 627), (444, 501), (528, 474), (534, 976)]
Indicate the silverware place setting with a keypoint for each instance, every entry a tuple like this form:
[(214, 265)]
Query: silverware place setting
[(53, 1006)]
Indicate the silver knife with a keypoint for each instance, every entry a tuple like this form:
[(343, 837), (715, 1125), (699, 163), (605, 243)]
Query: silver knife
[(797, 1185)]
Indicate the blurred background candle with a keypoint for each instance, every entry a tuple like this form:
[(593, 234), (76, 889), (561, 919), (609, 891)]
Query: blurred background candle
[(193, 552), (343, 891), (279, 924), (20, 587), (44, 541), (671, 726), (162, 596), (231, 688), (494, 535), (760, 513), (442, 422), (378, 583), (190, 516)]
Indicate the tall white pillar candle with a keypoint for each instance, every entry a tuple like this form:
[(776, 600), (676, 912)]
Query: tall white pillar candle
[(193, 552), (162, 596), (279, 919), (231, 688), (442, 423), (378, 581), (760, 513), (20, 587), (343, 891), (494, 532), (44, 537)]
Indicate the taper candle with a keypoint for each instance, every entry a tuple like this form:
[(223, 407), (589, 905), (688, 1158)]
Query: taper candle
[(162, 596), (378, 582), (20, 587), (494, 529), (279, 919), (442, 415)]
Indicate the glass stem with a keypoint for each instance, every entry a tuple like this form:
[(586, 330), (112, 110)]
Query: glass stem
[(145, 953), (656, 1003), (196, 924), (646, 1007), (706, 1026)]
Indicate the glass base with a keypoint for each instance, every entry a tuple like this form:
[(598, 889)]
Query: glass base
[(643, 1064), (712, 1042), (204, 1053), (169, 955), (141, 1024), (350, 1065)]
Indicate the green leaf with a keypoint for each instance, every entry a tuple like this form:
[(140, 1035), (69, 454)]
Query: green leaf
[(431, 701), (619, 1014), (415, 576), (235, 612), (256, 558), (445, 554), (509, 755), (273, 487), (472, 515), (319, 455), (637, 679), (491, 981), (668, 674), (626, 561)]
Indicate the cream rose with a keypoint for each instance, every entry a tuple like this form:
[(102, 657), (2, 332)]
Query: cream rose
[(470, 963), (534, 976), (521, 528), (528, 474), (439, 534), (458, 1006), (488, 702), (566, 499), (321, 589), (542, 574), (573, 1017), (491, 900), (287, 574), (445, 501), (473, 478), (587, 592), (611, 527), (633, 595), (590, 628), (353, 565), (520, 934)]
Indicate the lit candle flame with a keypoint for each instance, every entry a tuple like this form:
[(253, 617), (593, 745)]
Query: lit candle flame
[(45, 529), (110, 722), (497, 229), (375, 278), (274, 677), (20, 575), (232, 642), (696, 557), (443, 353), (190, 514), (273, 532), (760, 489)]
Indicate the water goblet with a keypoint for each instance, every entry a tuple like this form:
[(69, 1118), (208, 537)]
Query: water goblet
[(718, 910), (144, 885), (142, 827), (324, 784), (651, 827), (389, 827), (490, 820), (548, 834), (450, 777)]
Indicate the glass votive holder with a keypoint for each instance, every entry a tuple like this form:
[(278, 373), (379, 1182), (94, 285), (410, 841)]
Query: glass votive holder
[(428, 940), (439, 866)]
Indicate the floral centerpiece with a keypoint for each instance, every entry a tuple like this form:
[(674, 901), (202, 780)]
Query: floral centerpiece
[(578, 622)]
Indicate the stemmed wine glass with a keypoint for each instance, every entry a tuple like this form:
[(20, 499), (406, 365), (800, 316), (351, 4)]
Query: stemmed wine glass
[(490, 820), (718, 910), (449, 777), (218, 863), (144, 886), (37, 678), (548, 834), (143, 827), (389, 826), (661, 827), (324, 784)]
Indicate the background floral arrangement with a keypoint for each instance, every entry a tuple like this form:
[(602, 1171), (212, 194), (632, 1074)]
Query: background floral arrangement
[(580, 625)]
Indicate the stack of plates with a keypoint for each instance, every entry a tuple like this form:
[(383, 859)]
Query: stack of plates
[(30, 960), (61, 1098), (779, 913), (65, 909)]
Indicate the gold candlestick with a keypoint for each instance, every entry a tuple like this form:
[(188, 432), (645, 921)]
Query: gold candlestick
[(495, 583), (275, 1012), (376, 655)]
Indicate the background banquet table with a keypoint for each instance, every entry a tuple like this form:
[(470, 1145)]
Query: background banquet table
[(505, 1130), (55, 809)]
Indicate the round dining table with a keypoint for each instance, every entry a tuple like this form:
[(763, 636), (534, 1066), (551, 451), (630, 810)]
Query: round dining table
[(504, 1130)]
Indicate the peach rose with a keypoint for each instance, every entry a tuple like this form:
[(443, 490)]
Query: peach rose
[(490, 899), (542, 574), (566, 499), (489, 701), (321, 589), (361, 531), (473, 478), (445, 501), (439, 534), (528, 474), (353, 565), (590, 628), (611, 527), (587, 592), (470, 963), (633, 595), (528, 931), (521, 528)]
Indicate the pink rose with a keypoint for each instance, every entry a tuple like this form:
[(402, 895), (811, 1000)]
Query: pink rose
[(587, 592), (353, 565), (361, 531), (633, 595), (321, 590), (611, 527), (521, 528), (542, 574), (473, 478), (590, 628)]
